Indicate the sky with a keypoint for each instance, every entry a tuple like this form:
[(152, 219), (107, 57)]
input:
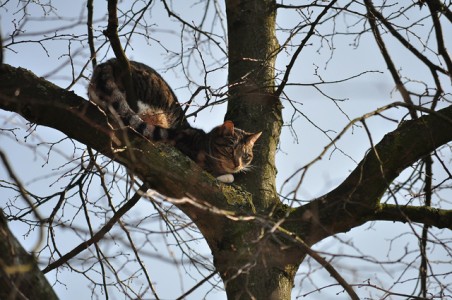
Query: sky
[(322, 119)]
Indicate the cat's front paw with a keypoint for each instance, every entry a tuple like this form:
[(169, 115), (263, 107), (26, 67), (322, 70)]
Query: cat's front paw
[(226, 178)]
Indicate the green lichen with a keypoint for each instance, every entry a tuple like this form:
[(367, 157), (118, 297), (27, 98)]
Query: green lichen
[(236, 196)]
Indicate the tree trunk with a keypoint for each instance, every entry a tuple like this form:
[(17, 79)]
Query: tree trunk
[(252, 264), (252, 46)]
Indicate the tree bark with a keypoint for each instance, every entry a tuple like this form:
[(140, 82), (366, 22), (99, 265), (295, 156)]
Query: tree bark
[(252, 47), (43, 103), (256, 264), (20, 277), (252, 256), (246, 257), (357, 199), (216, 209)]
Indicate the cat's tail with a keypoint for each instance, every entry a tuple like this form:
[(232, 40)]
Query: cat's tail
[(105, 92)]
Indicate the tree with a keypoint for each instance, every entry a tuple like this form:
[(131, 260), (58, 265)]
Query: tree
[(258, 236)]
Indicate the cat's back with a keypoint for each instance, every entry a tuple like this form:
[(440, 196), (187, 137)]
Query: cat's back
[(154, 97), (151, 88)]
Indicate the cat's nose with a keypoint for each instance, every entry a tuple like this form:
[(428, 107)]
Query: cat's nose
[(237, 163)]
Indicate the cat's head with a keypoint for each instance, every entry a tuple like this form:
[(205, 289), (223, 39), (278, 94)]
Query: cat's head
[(231, 149)]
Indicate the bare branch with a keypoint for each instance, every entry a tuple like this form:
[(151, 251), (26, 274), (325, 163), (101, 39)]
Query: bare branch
[(439, 218), (439, 37), (185, 23), (423, 241), (52, 106), (300, 47), (112, 34), (196, 286), (359, 195), (89, 25), (96, 237), (404, 42), (390, 64), (27, 199)]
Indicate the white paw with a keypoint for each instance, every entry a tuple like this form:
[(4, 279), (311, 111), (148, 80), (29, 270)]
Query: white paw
[(226, 178)]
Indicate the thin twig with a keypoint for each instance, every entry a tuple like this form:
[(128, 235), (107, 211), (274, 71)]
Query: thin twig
[(196, 286), (89, 24), (423, 242), (96, 237), (439, 37), (27, 199), (298, 51), (385, 53)]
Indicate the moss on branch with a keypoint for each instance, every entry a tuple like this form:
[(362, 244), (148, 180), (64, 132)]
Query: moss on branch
[(440, 218)]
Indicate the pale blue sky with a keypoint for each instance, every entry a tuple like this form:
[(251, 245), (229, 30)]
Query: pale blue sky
[(365, 94)]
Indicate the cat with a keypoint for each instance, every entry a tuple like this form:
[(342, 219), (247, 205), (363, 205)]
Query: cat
[(158, 116)]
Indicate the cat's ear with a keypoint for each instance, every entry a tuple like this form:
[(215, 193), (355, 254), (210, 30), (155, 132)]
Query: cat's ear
[(227, 128), (252, 138)]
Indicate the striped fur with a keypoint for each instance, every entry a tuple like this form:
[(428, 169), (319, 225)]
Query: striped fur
[(157, 115), (155, 99)]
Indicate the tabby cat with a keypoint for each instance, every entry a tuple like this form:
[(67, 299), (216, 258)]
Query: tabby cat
[(157, 115)]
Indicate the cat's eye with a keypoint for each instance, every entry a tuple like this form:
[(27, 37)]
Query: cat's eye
[(246, 156)]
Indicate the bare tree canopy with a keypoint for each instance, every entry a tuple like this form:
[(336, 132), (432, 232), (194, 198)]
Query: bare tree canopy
[(349, 191)]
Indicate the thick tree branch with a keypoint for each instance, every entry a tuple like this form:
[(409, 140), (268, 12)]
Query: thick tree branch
[(162, 167), (439, 218), (20, 277), (356, 200)]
